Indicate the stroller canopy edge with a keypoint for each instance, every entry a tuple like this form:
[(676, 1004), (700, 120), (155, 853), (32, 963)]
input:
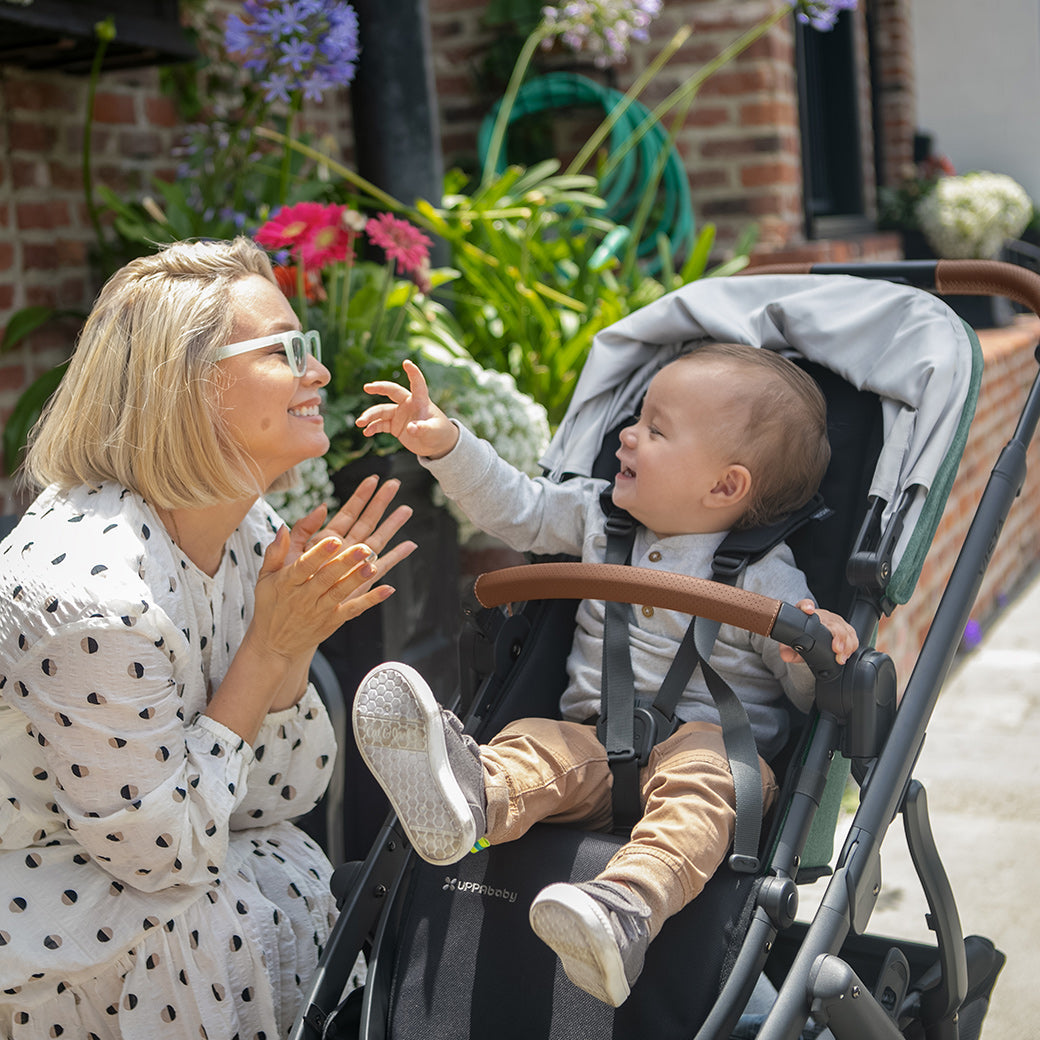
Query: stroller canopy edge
[(899, 342)]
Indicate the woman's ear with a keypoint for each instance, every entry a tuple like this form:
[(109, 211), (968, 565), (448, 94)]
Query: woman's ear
[(732, 487)]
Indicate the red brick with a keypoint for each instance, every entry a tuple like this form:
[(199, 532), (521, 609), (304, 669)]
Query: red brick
[(6, 256), (34, 95), (768, 113), (40, 257), (769, 173), (114, 108), (35, 215), (755, 79), (66, 175), (13, 377), (31, 137), (161, 111)]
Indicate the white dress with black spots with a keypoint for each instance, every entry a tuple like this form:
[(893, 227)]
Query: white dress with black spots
[(151, 884)]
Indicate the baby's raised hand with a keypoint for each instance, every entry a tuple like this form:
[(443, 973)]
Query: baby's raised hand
[(844, 639), (410, 416)]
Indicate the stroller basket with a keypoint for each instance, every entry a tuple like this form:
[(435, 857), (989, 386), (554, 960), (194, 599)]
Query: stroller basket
[(449, 951)]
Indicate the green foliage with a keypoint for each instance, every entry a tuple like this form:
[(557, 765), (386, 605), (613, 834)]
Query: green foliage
[(540, 275)]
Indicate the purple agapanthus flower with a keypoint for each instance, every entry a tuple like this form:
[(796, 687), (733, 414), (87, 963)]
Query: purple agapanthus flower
[(295, 47), (822, 14), (602, 28)]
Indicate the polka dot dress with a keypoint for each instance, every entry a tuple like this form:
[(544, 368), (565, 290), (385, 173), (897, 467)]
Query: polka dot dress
[(151, 882)]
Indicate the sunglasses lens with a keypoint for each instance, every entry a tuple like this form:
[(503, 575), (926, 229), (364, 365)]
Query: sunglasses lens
[(296, 350)]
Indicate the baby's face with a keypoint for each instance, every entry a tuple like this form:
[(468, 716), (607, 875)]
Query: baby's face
[(674, 459)]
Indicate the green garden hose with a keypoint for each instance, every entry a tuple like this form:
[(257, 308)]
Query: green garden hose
[(624, 187)]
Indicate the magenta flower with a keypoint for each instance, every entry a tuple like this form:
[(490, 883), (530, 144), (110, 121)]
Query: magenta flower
[(316, 235), (401, 241)]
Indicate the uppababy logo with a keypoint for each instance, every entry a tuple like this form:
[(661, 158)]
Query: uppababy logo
[(453, 884)]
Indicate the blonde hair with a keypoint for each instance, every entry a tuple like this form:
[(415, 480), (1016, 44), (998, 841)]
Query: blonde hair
[(781, 437), (139, 404)]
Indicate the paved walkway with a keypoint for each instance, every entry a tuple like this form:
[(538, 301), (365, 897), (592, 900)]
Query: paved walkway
[(980, 769)]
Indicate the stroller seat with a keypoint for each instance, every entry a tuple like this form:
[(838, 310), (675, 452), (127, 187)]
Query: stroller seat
[(449, 949)]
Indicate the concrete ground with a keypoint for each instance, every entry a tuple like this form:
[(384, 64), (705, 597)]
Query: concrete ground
[(980, 769)]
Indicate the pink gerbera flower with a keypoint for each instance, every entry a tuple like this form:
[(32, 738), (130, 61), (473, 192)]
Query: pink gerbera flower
[(314, 234), (401, 241)]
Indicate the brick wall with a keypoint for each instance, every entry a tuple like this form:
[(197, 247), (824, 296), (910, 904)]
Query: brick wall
[(46, 238)]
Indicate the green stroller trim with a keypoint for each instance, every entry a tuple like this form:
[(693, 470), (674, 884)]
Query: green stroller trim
[(905, 576)]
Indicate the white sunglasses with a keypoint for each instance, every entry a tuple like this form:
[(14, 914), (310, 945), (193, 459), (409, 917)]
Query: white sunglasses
[(297, 345)]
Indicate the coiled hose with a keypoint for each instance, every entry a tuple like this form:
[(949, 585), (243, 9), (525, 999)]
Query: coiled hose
[(624, 187)]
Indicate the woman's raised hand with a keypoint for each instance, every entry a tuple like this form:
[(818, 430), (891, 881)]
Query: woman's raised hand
[(410, 416)]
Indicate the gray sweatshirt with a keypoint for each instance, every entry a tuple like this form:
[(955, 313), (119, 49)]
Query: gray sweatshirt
[(542, 516)]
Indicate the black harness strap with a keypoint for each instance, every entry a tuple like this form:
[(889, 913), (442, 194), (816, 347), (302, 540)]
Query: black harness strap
[(629, 726), (617, 720)]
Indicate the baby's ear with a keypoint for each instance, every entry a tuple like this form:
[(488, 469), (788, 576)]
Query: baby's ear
[(733, 486)]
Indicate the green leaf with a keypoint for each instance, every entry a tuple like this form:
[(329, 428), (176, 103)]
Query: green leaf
[(697, 261), (26, 411), (27, 320)]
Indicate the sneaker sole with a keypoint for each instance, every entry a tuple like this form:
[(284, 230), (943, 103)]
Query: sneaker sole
[(399, 732), (577, 929)]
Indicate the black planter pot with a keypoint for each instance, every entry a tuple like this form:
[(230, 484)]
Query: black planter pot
[(418, 624), (980, 312)]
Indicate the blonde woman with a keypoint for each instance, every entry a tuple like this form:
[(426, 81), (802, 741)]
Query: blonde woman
[(157, 729)]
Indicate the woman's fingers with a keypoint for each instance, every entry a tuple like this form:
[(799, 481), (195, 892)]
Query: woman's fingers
[(359, 516)]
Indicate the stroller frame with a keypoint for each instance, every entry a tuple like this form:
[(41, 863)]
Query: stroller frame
[(920, 991)]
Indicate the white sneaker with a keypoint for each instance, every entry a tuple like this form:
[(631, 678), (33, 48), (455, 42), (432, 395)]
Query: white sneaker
[(429, 769), (600, 932)]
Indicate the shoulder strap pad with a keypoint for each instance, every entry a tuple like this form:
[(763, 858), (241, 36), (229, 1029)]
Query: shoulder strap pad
[(739, 548)]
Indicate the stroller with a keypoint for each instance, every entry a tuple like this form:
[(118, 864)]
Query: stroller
[(449, 950)]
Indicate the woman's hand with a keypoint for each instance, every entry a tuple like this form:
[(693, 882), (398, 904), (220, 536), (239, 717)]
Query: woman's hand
[(410, 416), (298, 604), (301, 602), (844, 639)]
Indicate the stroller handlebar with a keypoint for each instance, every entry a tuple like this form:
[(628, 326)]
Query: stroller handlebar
[(696, 596)]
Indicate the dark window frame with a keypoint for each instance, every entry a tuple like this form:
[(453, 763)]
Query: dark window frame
[(833, 189)]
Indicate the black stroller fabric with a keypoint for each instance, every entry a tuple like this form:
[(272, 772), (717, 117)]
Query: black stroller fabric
[(468, 959)]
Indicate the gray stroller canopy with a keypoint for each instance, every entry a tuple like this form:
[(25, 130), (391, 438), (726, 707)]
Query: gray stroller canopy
[(901, 343)]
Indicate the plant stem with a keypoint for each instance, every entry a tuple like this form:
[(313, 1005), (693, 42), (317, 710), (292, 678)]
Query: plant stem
[(505, 108), (105, 32), (689, 89), (283, 185), (345, 172), (599, 135)]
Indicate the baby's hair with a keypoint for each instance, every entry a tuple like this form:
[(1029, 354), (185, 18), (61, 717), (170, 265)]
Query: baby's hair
[(782, 438)]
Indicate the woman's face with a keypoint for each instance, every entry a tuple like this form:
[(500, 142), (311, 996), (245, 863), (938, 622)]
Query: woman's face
[(273, 415)]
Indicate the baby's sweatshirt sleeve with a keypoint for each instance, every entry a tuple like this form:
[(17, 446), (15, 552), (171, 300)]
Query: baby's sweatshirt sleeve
[(530, 514)]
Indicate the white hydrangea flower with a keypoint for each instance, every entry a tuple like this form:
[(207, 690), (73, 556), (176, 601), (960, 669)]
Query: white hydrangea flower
[(969, 217), (313, 487)]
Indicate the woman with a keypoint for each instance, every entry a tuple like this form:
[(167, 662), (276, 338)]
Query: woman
[(157, 728)]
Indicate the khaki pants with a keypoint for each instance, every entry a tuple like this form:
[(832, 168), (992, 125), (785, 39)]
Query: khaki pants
[(543, 769)]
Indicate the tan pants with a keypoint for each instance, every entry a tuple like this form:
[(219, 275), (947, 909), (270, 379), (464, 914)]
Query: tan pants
[(543, 769)]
